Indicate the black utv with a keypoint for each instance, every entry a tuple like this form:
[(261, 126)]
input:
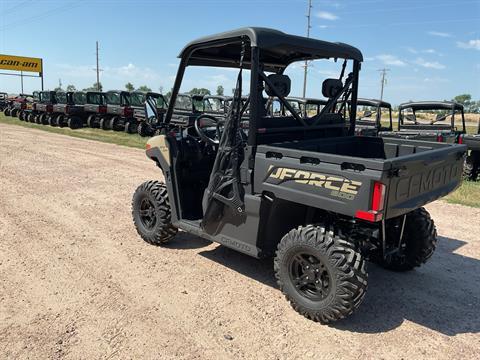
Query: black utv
[(369, 121), (44, 107), (69, 110), (3, 100), (314, 196), (146, 125), (429, 120), (471, 169), (95, 107), (119, 114)]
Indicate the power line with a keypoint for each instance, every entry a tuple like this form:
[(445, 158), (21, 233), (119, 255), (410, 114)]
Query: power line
[(306, 61), (383, 81)]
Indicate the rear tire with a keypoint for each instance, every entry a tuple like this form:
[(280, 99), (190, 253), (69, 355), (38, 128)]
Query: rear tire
[(104, 124), (143, 129), (130, 127), (14, 113), (74, 123), (21, 116), (44, 119), (60, 120), (51, 120), (321, 273), (419, 243), (152, 213), (38, 119), (470, 168), (114, 124), (91, 121), (7, 112)]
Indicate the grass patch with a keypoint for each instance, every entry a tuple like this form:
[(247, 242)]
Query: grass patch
[(467, 194), (112, 137)]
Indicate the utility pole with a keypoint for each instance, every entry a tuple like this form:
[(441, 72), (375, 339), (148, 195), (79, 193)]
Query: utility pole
[(306, 61), (384, 80), (98, 72), (60, 83)]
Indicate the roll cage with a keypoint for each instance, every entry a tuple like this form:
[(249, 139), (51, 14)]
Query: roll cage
[(450, 107), (379, 105), (271, 51)]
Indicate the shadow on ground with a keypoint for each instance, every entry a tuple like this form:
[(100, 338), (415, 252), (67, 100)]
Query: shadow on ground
[(443, 295)]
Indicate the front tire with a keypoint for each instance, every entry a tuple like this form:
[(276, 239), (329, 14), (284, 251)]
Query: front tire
[(104, 124), (74, 123), (152, 213), (418, 245), (91, 121), (470, 168), (113, 124), (130, 127), (321, 273), (60, 121)]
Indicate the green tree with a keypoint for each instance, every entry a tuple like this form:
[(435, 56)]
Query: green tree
[(94, 87), (71, 88), (199, 91), (144, 88), (58, 89), (129, 86), (220, 90)]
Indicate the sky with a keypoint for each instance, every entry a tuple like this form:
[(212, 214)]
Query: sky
[(431, 48)]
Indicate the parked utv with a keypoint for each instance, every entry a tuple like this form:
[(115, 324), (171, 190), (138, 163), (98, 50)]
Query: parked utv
[(3, 100), (20, 104), (44, 107), (119, 114), (369, 122), (429, 120), (28, 106), (146, 125), (317, 198), (69, 110), (471, 168), (95, 108)]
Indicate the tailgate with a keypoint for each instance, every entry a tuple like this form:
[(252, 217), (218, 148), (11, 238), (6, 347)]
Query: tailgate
[(418, 179)]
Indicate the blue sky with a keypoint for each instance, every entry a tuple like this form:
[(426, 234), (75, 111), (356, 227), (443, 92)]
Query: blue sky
[(431, 47)]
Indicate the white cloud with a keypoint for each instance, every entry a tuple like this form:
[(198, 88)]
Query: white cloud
[(388, 59), (439, 34), (325, 15), (471, 44), (323, 26), (429, 64), (436, 80)]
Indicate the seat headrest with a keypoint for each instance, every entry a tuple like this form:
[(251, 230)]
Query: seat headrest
[(331, 87), (281, 83)]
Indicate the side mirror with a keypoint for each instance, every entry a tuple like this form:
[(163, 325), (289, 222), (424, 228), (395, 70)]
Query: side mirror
[(367, 114)]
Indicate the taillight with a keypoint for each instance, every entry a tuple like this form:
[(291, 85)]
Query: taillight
[(49, 108), (460, 139), (127, 111), (102, 109), (377, 205), (439, 138)]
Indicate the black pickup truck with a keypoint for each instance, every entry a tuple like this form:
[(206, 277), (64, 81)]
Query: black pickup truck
[(369, 123), (312, 195)]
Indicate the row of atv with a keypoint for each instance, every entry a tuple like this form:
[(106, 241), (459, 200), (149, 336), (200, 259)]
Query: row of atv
[(111, 110)]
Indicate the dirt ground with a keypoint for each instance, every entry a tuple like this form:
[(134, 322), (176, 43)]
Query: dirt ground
[(76, 281)]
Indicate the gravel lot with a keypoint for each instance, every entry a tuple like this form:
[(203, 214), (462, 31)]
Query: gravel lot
[(76, 281)]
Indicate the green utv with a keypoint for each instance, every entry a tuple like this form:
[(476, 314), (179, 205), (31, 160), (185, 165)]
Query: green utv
[(307, 192)]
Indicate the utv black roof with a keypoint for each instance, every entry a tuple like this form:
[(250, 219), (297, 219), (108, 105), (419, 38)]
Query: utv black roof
[(373, 102), (431, 105), (277, 49)]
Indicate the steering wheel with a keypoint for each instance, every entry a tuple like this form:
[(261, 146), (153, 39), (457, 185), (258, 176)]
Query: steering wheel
[(204, 122)]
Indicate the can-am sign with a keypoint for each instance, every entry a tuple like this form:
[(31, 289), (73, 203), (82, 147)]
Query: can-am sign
[(20, 63)]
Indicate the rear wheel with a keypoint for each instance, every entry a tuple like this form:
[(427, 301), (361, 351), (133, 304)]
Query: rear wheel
[(470, 168), (7, 112), (419, 243), (21, 116), (60, 120), (104, 124), (130, 127), (38, 119), (143, 129), (91, 121), (14, 113), (114, 123), (321, 273), (74, 123), (152, 213), (44, 119), (51, 120)]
